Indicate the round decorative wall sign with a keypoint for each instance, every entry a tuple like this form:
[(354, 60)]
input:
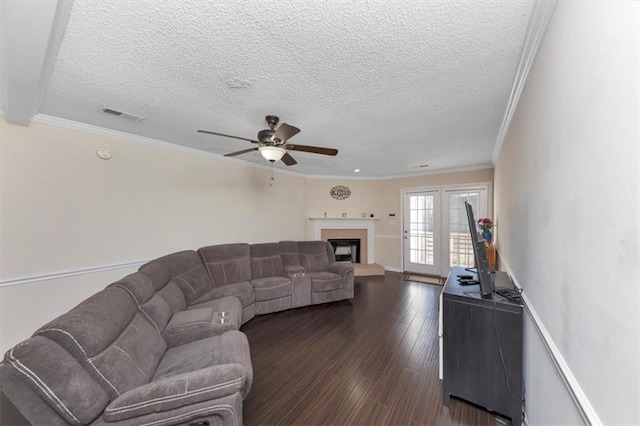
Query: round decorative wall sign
[(340, 192)]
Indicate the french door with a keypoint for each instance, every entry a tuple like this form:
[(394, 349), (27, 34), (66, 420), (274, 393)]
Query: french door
[(421, 236), (435, 228)]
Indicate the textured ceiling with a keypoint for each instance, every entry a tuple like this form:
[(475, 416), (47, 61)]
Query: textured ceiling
[(391, 84)]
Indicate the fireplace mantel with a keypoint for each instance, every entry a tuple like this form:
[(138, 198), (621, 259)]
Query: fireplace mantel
[(320, 223)]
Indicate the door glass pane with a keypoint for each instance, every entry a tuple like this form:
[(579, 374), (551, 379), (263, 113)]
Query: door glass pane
[(421, 229), (460, 247)]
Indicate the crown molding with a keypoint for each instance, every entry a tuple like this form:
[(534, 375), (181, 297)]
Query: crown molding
[(117, 134), (405, 176), (540, 19)]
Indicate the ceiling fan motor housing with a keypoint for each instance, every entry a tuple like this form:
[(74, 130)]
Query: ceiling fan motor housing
[(264, 136)]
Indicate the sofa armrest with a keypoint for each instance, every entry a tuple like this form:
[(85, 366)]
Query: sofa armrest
[(177, 391), (294, 270), (340, 268)]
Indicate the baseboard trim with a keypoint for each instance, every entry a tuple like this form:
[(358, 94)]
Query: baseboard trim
[(588, 413), (70, 273), (392, 269)]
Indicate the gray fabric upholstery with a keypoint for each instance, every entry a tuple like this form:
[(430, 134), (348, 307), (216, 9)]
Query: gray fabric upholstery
[(58, 379), (325, 281), (222, 411), (266, 261), (118, 347), (289, 253), (274, 287), (242, 290), (313, 255), (158, 311), (301, 286), (196, 324), (178, 391), (149, 348), (231, 347), (193, 283), (30, 404), (157, 273), (174, 297), (230, 305), (227, 263), (273, 305), (329, 280)]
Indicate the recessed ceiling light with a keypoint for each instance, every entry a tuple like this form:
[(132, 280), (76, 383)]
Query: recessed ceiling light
[(356, 170)]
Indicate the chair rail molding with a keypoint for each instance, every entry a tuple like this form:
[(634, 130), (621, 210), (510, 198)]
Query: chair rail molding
[(71, 273)]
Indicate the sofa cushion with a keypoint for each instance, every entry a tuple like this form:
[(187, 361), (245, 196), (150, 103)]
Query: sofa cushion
[(138, 285), (271, 288), (193, 283), (179, 262), (325, 281), (174, 297), (118, 347), (157, 273), (158, 311), (58, 379), (266, 260), (227, 263), (313, 255), (177, 391), (231, 347), (241, 290), (289, 253), (196, 324)]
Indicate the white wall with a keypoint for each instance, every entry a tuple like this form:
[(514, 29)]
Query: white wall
[(381, 197), (566, 198), (63, 208)]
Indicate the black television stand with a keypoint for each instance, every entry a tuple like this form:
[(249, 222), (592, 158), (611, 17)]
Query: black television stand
[(482, 346)]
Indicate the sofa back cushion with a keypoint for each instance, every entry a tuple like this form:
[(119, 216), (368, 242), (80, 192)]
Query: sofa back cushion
[(313, 255), (194, 282), (289, 253), (58, 379), (150, 304), (185, 270), (111, 339), (227, 263), (266, 260)]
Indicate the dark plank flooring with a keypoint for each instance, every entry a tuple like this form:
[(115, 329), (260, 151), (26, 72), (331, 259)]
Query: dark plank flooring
[(369, 361)]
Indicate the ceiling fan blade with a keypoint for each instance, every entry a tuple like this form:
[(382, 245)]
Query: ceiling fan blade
[(244, 151), (227, 136), (284, 132), (313, 149), (288, 160)]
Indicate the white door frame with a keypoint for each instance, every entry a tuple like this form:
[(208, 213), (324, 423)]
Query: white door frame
[(488, 186)]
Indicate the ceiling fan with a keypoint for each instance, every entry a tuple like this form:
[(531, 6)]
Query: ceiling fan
[(273, 143)]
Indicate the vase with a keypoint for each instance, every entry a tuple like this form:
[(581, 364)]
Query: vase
[(487, 235)]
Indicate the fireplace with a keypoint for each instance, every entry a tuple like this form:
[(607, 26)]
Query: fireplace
[(326, 228), (346, 249)]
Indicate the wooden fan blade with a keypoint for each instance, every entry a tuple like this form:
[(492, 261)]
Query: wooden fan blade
[(288, 160), (284, 132), (313, 149), (244, 151), (227, 136)]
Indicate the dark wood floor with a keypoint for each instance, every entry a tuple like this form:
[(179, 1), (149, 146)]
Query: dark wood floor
[(369, 361)]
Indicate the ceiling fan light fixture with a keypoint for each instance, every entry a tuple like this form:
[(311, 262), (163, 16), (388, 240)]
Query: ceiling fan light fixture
[(272, 153)]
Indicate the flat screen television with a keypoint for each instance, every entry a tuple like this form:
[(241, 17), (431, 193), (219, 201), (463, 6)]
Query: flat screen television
[(485, 277)]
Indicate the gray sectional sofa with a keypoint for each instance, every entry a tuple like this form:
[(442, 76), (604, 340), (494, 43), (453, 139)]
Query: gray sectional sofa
[(162, 346)]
